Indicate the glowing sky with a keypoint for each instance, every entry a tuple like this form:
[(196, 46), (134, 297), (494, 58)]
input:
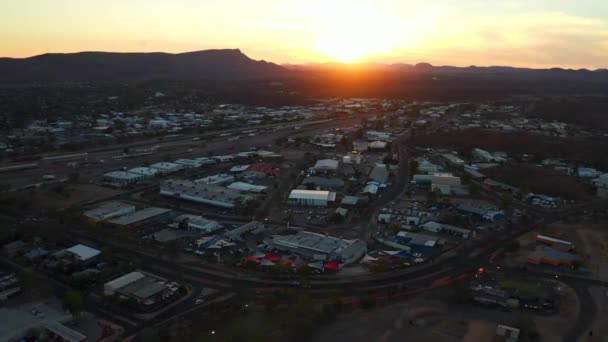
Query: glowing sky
[(533, 33)]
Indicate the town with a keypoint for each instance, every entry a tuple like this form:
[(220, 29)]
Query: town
[(156, 224)]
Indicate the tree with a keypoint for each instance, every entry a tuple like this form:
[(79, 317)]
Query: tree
[(512, 246), (367, 302), (73, 301), (73, 177), (395, 227)]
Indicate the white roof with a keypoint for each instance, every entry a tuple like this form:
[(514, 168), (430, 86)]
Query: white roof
[(124, 280), (326, 164), (146, 171), (239, 168), (166, 166), (310, 194), (83, 252), (246, 187), (122, 175)]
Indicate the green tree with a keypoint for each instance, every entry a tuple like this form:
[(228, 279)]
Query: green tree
[(73, 301)]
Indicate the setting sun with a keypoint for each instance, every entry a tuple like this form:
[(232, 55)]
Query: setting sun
[(357, 33)]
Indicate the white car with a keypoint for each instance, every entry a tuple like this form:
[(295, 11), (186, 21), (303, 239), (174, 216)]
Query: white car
[(199, 301)]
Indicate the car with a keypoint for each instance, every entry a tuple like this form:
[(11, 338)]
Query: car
[(199, 301), (295, 283)]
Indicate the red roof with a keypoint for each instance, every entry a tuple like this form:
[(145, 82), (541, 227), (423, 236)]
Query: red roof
[(287, 262), (332, 265), (272, 257), (253, 259), (264, 168)]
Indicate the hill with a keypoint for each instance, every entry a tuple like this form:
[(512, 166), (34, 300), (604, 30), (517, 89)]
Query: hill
[(112, 67)]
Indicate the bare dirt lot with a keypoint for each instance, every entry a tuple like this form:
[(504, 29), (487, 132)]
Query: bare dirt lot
[(430, 320)]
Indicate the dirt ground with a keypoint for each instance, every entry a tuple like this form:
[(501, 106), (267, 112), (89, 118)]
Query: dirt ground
[(589, 237), (430, 320), (600, 324)]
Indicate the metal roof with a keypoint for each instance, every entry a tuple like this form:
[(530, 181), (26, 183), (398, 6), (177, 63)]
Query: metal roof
[(83, 252), (310, 194), (140, 215)]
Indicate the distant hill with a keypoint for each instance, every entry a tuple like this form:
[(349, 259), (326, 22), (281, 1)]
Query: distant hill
[(109, 67)]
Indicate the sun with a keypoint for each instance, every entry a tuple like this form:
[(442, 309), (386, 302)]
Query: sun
[(355, 35)]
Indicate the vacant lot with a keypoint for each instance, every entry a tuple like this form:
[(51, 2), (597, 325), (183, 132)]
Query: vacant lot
[(540, 180), (588, 151)]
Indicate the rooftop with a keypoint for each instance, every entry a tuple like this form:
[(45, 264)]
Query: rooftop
[(311, 241), (83, 252), (108, 208), (140, 215), (311, 194)]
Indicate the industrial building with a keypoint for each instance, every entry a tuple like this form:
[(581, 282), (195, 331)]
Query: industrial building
[(326, 165), (143, 218), (108, 210), (240, 186), (560, 245), (202, 193), (379, 173), (83, 253), (552, 257), (261, 170), (318, 198), (141, 287), (419, 243), (220, 179), (167, 168), (254, 227), (34, 320), (315, 246), (324, 183), (197, 224), (485, 212), (147, 172), (453, 160), (122, 178), (189, 163), (436, 227)]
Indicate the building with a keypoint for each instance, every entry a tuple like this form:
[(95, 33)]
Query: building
[(166, 168), (82, 253), (485, 212), (436, 227), (323, 183), (419, 243), (425, 167), (453, 160), (189, 163), (254, 227), (202, 193), (146, 172), (220, 179), (560, 245), (320, 247), (319, 198), (108, 210), (377, 145), (326, 165), (143, 218), (377, 135), (141, 287), (261, 170), (240, 186), (197, 224), (239, 168), (360, 146), (549, 256), (122, 178), (9, 285), (34, 320), (349, 201), (379, 173)]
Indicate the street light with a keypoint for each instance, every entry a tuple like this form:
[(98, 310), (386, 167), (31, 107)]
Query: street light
[(212, 332)]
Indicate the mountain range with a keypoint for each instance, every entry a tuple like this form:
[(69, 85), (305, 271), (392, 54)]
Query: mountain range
[(233, 65)]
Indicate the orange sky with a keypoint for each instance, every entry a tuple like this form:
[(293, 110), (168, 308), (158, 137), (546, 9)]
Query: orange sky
[(546, 33)]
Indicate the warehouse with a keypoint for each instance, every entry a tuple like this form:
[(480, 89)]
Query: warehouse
[(485, 212), (144, 218), (550, 256), (147, 172), (319, 198), (202, 193), (220, 179), (108, 210), (167, 168), (561, 245), (320, 247), (197, 224), (83, 253), (141, 287), (240, 186), (189, 163), (122, 178), (419, 243), (326, 165)]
